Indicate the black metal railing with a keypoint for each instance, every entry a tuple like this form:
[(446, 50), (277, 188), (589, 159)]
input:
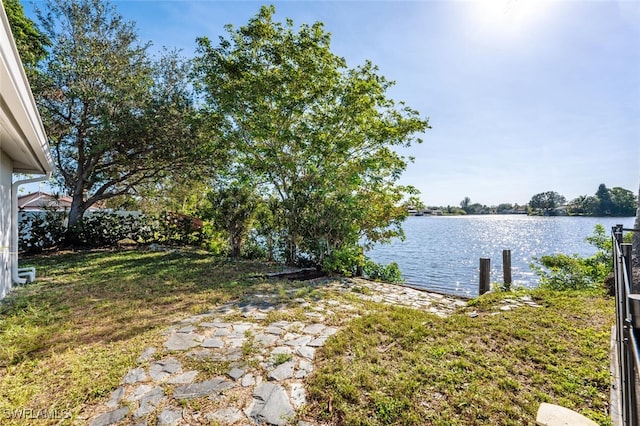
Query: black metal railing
[(627, 327)]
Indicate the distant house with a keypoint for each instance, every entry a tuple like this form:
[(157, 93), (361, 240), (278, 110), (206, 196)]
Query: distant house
[(42, 201), (23, 149)]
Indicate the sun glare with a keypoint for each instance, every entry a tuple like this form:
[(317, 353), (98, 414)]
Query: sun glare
[(505, 17)]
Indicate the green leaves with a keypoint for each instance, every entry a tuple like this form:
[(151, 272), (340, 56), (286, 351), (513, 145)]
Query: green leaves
[(317, 134), (117, 118), (31, 43), (572, 272)]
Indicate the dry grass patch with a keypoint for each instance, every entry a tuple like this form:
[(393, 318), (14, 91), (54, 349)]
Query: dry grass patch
[(67, 340)]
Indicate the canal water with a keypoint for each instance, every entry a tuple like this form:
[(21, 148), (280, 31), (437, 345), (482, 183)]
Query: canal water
[(442, 253)]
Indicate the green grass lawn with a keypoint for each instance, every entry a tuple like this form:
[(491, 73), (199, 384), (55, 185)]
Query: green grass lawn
[(399, 366), (67, 340)]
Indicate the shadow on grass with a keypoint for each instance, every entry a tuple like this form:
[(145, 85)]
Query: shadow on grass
[(94, 297)]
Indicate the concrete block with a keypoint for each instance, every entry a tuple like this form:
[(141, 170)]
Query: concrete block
[(554, 415)]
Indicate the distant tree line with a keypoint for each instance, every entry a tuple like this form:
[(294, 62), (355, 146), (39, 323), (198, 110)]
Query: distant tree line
[(617, 202)]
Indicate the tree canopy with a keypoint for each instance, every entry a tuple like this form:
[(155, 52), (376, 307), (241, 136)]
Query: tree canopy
[(606, 202), (547, 201), (310, 130), (116, 118)]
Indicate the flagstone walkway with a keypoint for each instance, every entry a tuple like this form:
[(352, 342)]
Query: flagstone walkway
[(245, 363)]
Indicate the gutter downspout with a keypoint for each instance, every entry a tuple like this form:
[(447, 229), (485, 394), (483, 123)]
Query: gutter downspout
[(14, 225)]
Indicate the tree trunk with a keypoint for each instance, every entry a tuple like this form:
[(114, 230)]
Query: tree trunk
[(236, 245), (292, 249), (76, 212)]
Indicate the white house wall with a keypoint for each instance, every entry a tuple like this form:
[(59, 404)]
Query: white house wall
[(6, 167), (24, 147)]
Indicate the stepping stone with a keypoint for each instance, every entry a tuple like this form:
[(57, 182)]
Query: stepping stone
[(306, 352), (146, 355), (232, 354), (197, 390), (169, 417), (187, 329), (282, 350), (281, 324), (182, 342), (266, 339), (111, 417), (212, 343), (116, 397), (242, 328), (162, 369), (226, 416), (236, 373), (319, 342), (305, 368), (314, 329), (201, 354), (258, 316), (149, 402), (221, 332), (236, 343), (215, 324), (183, 379), (274, 330), (134, 376), (282, 372), (139, 392), (248, 380), (271, 405), (299, 341), (328, 332), (298, 395)]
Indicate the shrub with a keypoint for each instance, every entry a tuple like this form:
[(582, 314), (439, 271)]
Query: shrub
[(388, 273), (40, 231), (572, 272), (343, 261), (178, 229), (104, 229)]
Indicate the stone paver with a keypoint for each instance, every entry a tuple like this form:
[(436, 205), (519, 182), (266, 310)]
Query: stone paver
[(271, 405), (169, 417), (238, 335), (110, 417), (196, 390)]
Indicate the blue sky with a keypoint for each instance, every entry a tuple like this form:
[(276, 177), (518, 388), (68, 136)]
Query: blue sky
[(524, 96)]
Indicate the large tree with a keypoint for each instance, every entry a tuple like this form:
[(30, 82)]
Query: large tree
[(316, 133), (547, 201), (623, 202), (115, 117), (605, 204)]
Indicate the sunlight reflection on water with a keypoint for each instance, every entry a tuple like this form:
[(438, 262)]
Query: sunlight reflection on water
[(442, 253)]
